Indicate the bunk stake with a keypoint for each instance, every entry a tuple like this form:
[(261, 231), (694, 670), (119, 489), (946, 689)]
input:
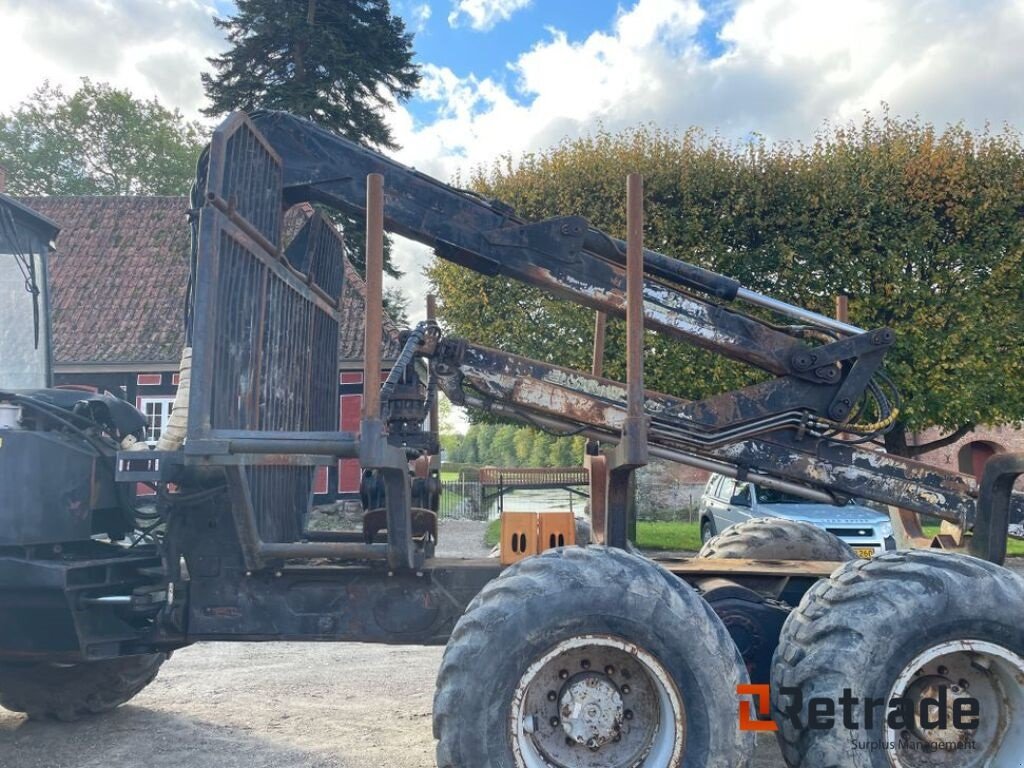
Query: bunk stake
[(631, 452), (375, 452), (600, 323), (374, 294)]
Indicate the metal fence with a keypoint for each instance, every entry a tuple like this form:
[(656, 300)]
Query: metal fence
[(462, 500)]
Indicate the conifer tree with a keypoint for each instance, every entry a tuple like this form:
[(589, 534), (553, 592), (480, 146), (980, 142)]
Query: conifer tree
[(336, 62)]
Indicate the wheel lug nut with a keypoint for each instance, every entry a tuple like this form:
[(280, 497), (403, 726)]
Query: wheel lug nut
[(964, 684), (555, 722), (585, 664), (628, 714), (552, 695), (609, 670), (943, 671), (625, 689), (564, 674)]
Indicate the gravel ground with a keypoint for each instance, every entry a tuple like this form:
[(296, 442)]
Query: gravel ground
[(275, 705), (462, 538)]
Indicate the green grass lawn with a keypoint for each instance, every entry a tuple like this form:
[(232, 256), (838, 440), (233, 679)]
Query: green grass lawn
[(685, 537), (493, 534), (1014, 547), (675, 536)]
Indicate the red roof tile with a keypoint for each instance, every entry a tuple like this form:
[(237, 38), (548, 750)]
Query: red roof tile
[(118, 278)]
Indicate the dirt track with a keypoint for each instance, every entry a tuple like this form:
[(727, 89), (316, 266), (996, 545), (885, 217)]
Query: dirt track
[(261, 706), (275, 705)]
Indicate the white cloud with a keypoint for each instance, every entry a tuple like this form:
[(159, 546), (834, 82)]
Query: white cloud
[(153, 47), (420, 15), (484, 14), (787, 66)]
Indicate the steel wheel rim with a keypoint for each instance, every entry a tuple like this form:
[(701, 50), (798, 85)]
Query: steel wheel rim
[(992, 674), (622, 691)]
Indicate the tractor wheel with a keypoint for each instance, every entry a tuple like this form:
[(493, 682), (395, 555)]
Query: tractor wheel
[(69, 691), (912, 626), (774, 538), (589, 657), (707, 531), (584, 531)]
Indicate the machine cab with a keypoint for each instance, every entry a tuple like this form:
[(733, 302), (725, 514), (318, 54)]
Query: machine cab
[(26, 238)]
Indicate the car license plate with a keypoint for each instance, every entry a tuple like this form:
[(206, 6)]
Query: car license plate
[(865, 552)]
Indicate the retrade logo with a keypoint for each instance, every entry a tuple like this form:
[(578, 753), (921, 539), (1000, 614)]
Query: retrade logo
[(761, 698), (939, 711)]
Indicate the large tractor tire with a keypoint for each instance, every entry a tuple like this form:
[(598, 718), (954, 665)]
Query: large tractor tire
[(584, 531), (589, 657), (70, 691), (774, 538), (918, 626)]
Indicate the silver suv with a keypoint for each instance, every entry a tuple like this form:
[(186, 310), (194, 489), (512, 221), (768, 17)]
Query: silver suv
[(726, 502)]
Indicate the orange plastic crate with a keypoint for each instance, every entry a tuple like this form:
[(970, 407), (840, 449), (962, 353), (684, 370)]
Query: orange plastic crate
[(528, 533)]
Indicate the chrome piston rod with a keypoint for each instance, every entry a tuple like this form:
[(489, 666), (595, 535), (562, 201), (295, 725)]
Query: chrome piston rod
[(797, 313)]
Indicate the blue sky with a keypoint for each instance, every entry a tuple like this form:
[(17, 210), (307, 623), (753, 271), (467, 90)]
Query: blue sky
[(487, 53), (506, 77)]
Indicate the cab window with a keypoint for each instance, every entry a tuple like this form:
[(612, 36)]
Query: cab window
[(741, 495), (712, 486), (725, 489)]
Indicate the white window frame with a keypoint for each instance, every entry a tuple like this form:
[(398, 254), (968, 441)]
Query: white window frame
[(156, 420)]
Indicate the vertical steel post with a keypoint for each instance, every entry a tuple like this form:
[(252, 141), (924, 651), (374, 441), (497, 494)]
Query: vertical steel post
[(600, 324), (635, 295), (375, 453), (631, 452), (843, 308), (435, 426), (374, 295), (595, 462)]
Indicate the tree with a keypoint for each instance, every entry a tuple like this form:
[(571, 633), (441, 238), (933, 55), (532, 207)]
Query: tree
[(540, 454), (469, 449), (561, 454), (396, 306), (503, 446), (508, 445), (445, 416), (99, 140), (523, 443), (922, 228), (338, 63)]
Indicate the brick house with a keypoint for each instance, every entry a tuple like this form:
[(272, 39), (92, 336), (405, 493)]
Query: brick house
[(970, 452), (118, 277)]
